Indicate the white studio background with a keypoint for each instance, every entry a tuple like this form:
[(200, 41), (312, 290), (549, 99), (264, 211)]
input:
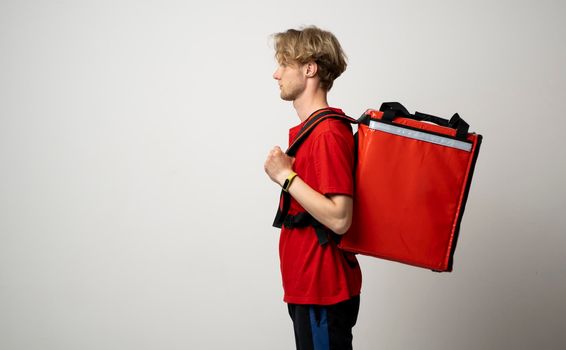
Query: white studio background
[(135, 213)]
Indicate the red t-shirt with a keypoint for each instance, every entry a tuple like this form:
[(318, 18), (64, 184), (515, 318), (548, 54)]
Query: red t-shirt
[(315, 274)]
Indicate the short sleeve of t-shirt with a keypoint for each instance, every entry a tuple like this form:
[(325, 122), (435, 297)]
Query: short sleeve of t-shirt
[(333, 157)]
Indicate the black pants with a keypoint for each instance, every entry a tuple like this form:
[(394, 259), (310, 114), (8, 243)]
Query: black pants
[(327, 327)]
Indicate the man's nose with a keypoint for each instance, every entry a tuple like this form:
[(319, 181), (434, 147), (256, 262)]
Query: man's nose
[(276, 74)]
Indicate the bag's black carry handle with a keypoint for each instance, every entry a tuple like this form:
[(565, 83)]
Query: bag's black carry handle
[(391, 110)]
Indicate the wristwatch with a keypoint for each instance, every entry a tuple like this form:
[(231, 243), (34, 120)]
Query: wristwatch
[(288, 181)]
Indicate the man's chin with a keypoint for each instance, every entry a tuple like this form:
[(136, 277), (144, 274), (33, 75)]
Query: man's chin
[(287, 97)]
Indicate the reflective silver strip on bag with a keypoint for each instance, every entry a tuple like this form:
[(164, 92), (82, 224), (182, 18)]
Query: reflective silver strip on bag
[(418, 135)]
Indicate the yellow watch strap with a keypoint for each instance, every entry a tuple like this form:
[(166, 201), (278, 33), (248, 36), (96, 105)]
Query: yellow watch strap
[(288, 181)]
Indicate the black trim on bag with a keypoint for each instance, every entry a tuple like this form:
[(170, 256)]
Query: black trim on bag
[(464, 200)]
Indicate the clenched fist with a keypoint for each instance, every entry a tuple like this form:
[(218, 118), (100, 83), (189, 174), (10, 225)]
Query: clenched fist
[(278, 165)]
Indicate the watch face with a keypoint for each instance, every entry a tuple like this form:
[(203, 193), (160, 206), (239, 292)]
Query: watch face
[(285, 184)]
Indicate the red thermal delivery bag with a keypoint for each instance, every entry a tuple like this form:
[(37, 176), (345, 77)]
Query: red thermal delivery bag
[(413, 175)]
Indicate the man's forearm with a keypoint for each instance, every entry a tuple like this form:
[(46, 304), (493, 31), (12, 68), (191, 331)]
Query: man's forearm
[(334, 212)]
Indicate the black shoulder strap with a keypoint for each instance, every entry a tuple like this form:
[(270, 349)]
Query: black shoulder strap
[(312, 122)]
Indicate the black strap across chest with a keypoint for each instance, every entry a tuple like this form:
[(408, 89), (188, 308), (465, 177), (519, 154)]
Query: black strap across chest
[(304, 219)]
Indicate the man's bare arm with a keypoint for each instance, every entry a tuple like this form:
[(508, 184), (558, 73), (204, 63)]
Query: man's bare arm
[(333, 211)]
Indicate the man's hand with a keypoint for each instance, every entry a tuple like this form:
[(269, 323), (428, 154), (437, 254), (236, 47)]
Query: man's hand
[(278, 165)]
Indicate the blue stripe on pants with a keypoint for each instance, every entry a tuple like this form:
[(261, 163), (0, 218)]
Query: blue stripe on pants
[(319, 327)]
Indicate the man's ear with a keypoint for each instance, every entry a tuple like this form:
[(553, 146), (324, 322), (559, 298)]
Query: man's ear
[(311, 69)]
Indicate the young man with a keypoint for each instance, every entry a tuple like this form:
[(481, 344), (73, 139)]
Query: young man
[(321, 283)]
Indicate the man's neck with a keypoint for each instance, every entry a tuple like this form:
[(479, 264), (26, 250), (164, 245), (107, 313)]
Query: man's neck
[(306, 106)]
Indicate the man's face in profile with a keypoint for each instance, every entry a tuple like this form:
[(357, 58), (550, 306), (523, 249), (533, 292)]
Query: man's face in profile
[(292, 81)]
